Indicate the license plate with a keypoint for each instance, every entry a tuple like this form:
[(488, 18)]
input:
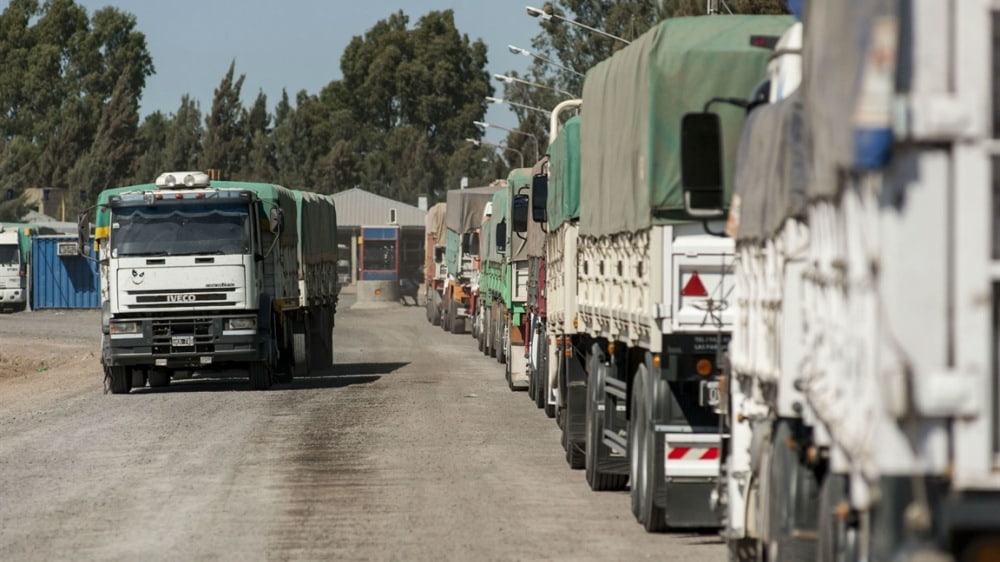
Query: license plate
[(182, 341), (709, 393)]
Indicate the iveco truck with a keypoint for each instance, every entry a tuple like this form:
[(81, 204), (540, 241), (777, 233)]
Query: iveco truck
[(198, 275)]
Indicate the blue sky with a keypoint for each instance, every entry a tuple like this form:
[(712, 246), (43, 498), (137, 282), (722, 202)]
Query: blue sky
[(296, 44)]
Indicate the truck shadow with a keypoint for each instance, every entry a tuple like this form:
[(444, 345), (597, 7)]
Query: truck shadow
[(337, 376)]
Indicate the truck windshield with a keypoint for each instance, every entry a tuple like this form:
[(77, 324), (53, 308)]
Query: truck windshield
[(8, 254), (178, 230)]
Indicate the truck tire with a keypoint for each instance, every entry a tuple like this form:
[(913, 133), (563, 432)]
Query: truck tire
[(480, 338), (575, 455), (300, 349), (456, 324), (790, 487), (598, 480), (260, 375), (158, 378), (503, 349), (744, 550), (118, 379), (645, 457), (434, 308), (838, 540)]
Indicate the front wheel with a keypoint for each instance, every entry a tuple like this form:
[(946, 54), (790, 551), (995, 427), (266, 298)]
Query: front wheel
[(118, 379), (260, 376)]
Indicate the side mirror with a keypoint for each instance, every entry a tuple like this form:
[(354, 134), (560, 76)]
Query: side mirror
[(701, 165), (501, 236), (539, 197), (519, 213), (276, 218), (82, 233)]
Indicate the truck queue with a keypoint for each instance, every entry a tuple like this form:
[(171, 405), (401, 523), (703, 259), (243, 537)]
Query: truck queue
[(753, 280)]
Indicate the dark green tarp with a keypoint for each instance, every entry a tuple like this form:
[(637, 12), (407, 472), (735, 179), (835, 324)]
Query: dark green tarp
[(633, 103), (564, 175)]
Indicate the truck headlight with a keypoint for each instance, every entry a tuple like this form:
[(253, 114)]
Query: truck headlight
[(241, 324), (125, 328)]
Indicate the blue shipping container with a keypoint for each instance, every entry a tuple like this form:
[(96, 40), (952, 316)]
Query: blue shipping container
[(60, 278)]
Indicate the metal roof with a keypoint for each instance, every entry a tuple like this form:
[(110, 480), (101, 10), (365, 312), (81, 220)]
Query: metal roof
[(357, 207)]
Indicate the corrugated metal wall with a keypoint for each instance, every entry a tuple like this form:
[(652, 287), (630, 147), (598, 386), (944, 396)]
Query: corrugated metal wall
[(66, 281)]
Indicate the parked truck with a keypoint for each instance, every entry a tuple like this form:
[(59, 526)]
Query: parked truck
[(556, 204), (15, 264), (199, 275), (462, 221), (863, 394), (435, 267), (514, 240), (653, 286)]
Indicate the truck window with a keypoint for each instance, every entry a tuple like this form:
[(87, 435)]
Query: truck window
[(9, 255), (177, 230)]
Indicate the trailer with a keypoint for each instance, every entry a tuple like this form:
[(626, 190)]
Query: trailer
[(435, 267), (462, 220), (863, 396), (654, 285)]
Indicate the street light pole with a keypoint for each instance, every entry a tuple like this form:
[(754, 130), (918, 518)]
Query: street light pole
[(515, 104), (527, 53), (512, 79), (536, 13), (483, 125), (484, 143)]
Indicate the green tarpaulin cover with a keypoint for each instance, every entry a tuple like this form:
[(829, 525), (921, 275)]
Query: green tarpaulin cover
[(564, 175), (633, 103)]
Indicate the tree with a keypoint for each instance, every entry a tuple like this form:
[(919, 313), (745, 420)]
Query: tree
[(184, 137), (61, 68), (406, 101), (151, 141), (110, 159), (225, 130)]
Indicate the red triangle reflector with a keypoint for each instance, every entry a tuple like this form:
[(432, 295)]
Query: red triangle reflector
[(694, 287)]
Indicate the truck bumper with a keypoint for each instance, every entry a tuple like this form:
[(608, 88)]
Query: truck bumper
[(184, 342), (12, 299)]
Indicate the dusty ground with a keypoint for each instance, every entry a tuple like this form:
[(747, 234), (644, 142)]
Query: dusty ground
[(411, 448)]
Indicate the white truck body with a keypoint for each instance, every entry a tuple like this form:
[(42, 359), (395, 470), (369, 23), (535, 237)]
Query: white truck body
[(13, 281), (866, 330)]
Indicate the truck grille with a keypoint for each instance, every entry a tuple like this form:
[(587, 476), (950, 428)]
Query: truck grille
[(199, 329)]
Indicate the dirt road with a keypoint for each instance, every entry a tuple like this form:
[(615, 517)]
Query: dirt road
[(410, 448)]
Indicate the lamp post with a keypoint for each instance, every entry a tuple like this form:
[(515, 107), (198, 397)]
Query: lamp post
[(548, 15), (484, 143), (512, 79), (515, 104), (527, 53), (483, 125)]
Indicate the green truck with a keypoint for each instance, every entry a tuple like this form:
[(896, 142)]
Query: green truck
[(653, 292)]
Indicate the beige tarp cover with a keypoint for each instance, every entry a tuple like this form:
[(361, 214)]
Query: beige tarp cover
[(833, 59), (465, 207), (318, 216), (531, 243), (633, 104), (434, 223)]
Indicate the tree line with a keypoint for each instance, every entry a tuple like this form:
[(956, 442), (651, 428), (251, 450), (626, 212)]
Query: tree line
[(394, 123)]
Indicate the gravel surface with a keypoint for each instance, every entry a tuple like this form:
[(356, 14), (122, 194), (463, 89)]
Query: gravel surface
[(410, 448)]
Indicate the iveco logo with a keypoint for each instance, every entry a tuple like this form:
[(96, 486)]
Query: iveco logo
[(180, 298), (138, 277)]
